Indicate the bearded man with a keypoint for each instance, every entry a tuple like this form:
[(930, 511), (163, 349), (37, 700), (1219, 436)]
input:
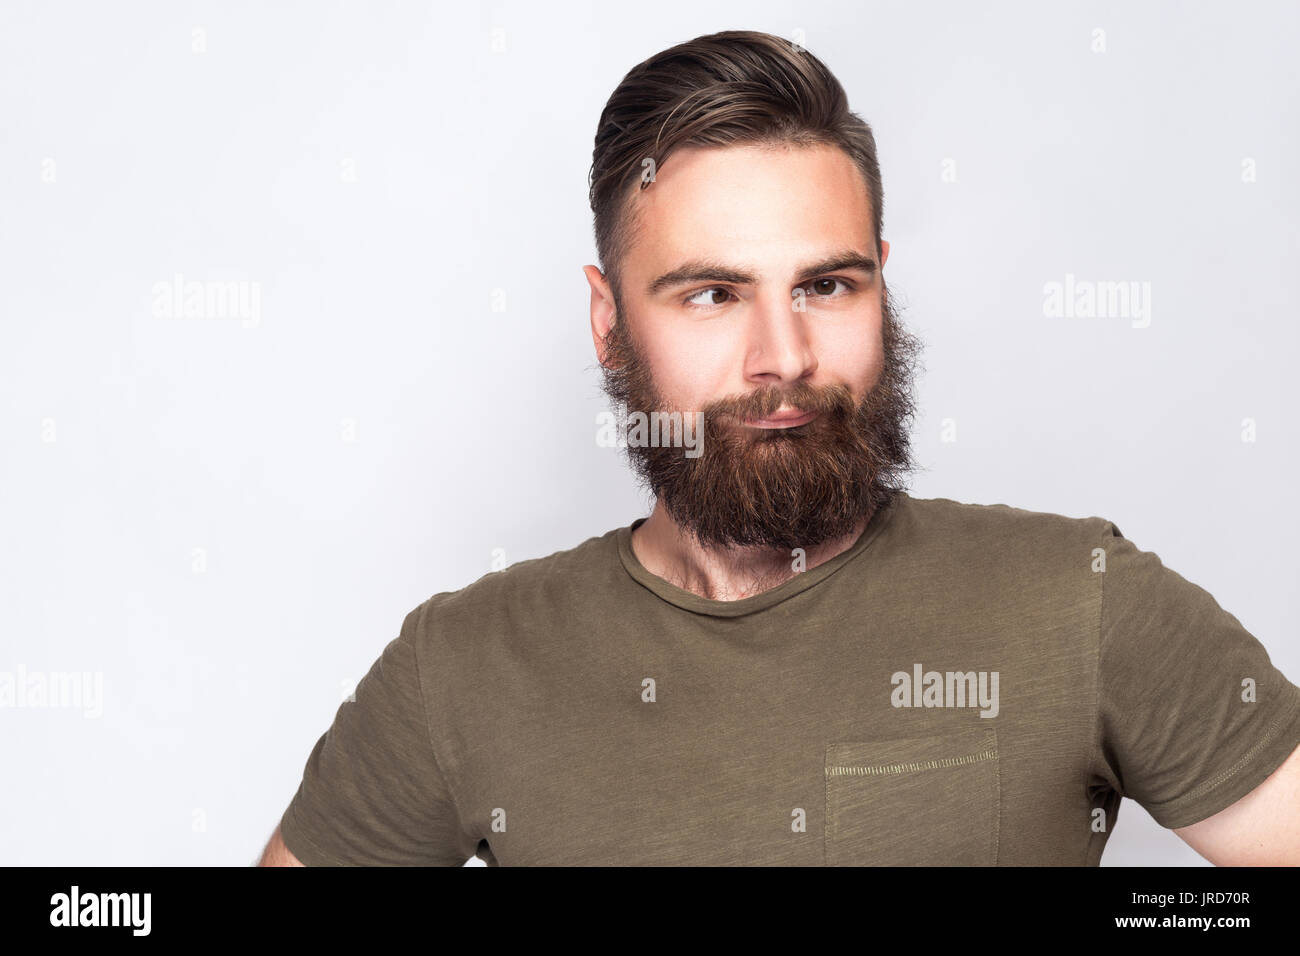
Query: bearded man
[(791, 660)]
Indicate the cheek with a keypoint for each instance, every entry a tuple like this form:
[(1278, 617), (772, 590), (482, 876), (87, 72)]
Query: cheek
[(690, 372), (853, 354)]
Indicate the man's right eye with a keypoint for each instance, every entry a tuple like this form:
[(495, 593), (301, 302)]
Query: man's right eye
[(711, 300)]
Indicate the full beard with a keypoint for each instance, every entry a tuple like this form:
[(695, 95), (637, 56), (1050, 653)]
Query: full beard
[(779, 488)]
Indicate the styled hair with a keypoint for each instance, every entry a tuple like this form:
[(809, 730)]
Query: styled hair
[(725, 89)]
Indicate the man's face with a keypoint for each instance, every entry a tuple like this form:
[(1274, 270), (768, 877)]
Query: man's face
[(752, 292)]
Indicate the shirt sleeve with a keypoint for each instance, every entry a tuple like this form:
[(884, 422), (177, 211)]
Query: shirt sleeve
[(372, 792), (1192, 714)]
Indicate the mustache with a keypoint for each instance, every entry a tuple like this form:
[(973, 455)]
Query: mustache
[(763, 402)]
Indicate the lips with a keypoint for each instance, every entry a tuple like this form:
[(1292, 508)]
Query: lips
[(783, 418)]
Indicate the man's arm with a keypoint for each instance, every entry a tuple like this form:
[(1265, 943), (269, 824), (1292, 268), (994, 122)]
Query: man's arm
[(1260, 829), (277, 854)]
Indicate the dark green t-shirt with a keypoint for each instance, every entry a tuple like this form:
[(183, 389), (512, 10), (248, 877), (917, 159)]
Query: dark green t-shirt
[(968, 684)]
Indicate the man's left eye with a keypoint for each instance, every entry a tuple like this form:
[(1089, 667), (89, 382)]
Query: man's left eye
[(825, 287)]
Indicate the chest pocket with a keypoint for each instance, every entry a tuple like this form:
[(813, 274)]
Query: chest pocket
[(914, 801)]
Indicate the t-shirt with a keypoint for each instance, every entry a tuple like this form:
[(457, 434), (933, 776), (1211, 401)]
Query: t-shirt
[(967, 684)]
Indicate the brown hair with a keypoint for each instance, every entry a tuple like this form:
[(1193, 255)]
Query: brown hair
[(724, 89)]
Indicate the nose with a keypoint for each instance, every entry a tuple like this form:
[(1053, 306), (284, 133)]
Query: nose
[(779, 350)]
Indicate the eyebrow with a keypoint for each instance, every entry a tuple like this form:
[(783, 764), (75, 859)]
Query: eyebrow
[(714, 270)]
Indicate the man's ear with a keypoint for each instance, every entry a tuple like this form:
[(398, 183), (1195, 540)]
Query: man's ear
[(884, 253), (602, 309)]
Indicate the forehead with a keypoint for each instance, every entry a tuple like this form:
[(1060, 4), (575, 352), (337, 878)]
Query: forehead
[(760, 204)]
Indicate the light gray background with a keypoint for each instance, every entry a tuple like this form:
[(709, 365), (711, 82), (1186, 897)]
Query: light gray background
[(475, 428)]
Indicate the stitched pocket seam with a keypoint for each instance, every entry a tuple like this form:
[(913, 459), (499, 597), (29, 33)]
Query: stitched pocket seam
[(861, 771)]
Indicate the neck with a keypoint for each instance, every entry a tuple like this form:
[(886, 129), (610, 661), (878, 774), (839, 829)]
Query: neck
[(668, 551)]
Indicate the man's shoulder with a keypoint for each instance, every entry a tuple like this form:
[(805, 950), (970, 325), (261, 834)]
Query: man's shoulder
[(509, 596), (962, 527)]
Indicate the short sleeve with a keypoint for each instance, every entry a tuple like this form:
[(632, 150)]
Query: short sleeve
[(372, 792), (1192, 714)]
